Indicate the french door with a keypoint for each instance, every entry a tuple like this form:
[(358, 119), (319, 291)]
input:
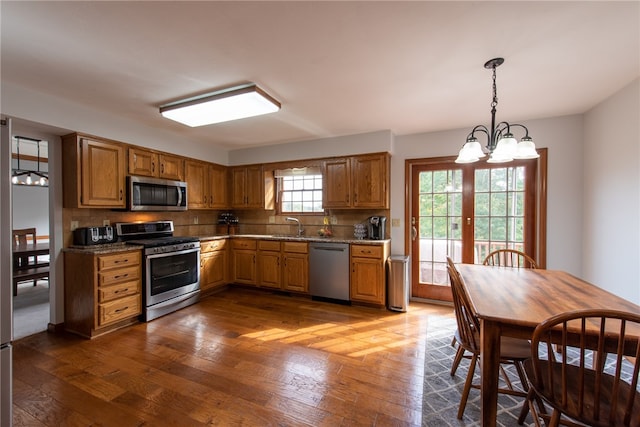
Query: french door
[(465, 212)]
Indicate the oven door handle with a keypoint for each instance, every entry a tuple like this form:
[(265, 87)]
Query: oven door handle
[(165, 254), (171, 275)]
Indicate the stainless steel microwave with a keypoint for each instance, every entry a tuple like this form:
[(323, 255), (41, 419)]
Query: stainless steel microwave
[(153, 194)]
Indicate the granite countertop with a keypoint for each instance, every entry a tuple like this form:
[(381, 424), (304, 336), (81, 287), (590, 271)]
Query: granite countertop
[(122, 246), (294, 238), (108, 248)]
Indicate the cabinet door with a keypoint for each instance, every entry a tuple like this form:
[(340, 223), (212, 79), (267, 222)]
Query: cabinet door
[(336, 191), (213, 267), (171, 167), (103, 174), (295, 275), (238, 186), (254, 187), (269, 269), (244, 267), (218, 185), (367, 280), (370, 176), (196, 174), (142, 162)]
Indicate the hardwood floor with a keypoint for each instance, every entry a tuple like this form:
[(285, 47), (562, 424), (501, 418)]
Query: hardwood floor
[(241, 357)]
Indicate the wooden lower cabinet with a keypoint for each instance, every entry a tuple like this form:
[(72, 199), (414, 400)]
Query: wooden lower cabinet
[(243, 261), (368, 273), (213, 265), (103, 292), (295, 266), (269, 265)]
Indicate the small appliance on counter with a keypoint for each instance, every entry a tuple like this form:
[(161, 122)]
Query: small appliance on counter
[(376, 227), (89, 236)]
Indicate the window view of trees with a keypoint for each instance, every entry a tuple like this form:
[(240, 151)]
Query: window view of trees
[(498, 202)]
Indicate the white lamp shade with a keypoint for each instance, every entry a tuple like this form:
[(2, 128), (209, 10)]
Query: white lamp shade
[(526, 150), (222, 106), (468, 154), (505, 150)]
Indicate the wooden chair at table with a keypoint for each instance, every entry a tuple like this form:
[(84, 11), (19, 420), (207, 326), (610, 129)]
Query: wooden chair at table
[(512, 351), (505, 258), (27, 267), (599, 392), (24, 237), (510, 258)]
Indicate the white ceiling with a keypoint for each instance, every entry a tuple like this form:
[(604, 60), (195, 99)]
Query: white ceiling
[(338, 68)]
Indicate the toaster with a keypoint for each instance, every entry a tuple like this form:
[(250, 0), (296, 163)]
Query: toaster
[(87, 236)]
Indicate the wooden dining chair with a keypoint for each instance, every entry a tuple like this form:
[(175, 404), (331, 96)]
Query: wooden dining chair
[(595, 388), (512, 351), (501, 257), (27, 268), (24, 236), (510, 258)]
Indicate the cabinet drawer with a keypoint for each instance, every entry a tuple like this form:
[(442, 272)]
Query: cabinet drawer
[(366, 251), (106, 278), (243, 244), (119, 309), (269, 245), (212, 245), (125, 289), (297, 247), (122, 259)]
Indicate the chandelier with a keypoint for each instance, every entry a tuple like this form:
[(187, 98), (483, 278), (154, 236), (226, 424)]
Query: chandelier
[(21, 176), (501, 144)]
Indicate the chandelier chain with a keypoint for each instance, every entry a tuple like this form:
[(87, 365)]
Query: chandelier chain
[(494, 103)]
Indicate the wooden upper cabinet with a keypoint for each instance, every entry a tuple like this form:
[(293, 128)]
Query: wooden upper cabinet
[(196, 175), (218, 186), (93, 172), (159, 165), (370, 178), (336, 191), (252, 188), (206, 185), (356, 182), (171, 167)]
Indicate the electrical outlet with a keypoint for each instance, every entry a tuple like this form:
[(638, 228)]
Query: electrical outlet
[(272, 219), (106, 223), (334, 220), (74, 225), (195, 219), (395, 222)]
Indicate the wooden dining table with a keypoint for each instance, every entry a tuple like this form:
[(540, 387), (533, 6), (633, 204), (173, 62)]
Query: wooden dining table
[(511, 302), (29, 250), (23, 268)]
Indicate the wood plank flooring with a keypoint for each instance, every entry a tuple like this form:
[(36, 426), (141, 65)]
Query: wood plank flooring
[(242, 357)]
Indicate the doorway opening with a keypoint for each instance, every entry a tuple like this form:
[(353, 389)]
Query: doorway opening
[(30, 209)]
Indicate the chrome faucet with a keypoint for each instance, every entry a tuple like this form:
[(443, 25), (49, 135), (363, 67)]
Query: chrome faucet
[(300, 228)]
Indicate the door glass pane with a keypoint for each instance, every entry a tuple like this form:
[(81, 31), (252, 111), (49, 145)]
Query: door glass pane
[(499, 210), (440, 231)]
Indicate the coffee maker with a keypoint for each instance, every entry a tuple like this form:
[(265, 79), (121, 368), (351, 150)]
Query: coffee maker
[(376, 227)]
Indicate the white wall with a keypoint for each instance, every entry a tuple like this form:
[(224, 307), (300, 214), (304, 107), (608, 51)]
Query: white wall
[(31, 208), (611, 251), (370, 142)]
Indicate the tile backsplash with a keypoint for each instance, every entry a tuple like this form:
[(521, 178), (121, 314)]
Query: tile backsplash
[(205, 223)]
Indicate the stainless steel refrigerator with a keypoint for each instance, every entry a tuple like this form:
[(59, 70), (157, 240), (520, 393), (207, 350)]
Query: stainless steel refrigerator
[(6, 297)]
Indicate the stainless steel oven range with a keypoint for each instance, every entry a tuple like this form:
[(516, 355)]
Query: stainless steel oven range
[(171, 266)]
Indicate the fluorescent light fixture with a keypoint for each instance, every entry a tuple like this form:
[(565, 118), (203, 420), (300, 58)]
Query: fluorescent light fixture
[(224, 105)]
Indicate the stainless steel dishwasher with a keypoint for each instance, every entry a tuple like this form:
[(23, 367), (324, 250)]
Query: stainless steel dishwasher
[(329, 271)]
